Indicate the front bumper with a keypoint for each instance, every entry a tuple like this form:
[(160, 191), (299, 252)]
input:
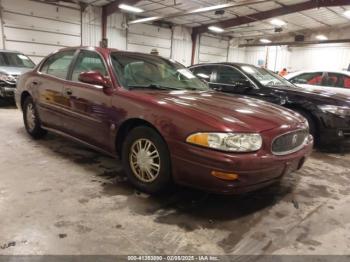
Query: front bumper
[(192, 166), (7, 91)]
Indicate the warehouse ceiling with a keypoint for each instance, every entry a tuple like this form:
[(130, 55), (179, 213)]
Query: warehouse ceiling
[(177, 12)]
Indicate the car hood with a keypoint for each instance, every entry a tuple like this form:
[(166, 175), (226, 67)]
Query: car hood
[(230, 112), (325, 95), (14, 70), (332, 91)]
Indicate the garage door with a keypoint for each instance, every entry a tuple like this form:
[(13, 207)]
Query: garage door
[(143, 38), (212, 49), (37, 29)]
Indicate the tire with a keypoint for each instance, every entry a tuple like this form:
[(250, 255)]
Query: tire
[(311, 122), (141, 165), (31, 119)]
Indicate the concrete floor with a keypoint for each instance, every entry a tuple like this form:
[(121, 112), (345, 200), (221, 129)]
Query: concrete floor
[(58, 197)]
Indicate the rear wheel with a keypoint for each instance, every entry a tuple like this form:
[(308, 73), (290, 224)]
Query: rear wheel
[(31, 119), (146, 160)]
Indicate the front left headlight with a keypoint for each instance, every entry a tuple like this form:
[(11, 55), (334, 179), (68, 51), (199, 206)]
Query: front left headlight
[(230, 142), (7, 78), (342, 111)]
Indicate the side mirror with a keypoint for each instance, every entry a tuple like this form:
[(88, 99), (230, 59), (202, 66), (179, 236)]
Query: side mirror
[(95, 78), (243, 84)]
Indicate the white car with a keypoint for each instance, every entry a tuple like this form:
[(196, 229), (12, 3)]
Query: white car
[(330, 81)]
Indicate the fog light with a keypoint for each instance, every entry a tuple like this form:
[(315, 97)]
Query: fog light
[(224, 176)]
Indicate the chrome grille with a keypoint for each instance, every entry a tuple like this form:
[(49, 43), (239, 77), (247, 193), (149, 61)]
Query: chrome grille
[(290, 142)]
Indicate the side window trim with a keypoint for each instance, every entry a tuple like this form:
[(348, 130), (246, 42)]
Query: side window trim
[(234, 68), (75, 59), (51, 56), (201, 67)]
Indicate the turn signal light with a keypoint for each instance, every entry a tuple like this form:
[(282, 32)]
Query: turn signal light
[(224, 176)]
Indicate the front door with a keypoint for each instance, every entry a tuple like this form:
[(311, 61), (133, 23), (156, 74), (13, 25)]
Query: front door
[(88, 116)]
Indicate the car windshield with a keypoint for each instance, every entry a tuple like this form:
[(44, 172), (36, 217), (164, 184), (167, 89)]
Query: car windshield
[(15, 60), (265, 77), (153, 72)]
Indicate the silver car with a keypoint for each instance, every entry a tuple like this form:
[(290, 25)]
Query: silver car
[(12, 65)]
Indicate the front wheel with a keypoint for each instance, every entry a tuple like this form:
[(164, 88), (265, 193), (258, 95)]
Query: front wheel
[(31, 119), (311, 122), (146, 160)]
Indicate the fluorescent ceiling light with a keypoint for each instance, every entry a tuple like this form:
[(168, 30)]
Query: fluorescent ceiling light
[(216, 29), (321, 37), (347, 14), (130, 8), (143, 20), (209, 8), (265, 41), (277, 22)]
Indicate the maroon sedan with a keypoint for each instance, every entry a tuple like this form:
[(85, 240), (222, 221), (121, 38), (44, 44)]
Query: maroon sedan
[(162, 121)]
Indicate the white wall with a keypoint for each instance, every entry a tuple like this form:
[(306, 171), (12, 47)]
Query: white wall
[(212, 49), (321, 56), (91, 26), (171, 43), (37, 29), (182, 45)]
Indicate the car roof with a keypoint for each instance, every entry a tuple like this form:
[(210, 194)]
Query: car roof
[(223, 63), (320, 70), (9, 51)]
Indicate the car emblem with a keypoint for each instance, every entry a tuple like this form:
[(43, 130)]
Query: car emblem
[(294, 139)]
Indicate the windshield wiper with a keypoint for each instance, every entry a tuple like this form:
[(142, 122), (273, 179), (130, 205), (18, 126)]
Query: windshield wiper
[(152, 86)]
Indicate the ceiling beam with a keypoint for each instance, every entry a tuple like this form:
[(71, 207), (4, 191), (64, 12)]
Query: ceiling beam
[(285, 10), (111, 8)]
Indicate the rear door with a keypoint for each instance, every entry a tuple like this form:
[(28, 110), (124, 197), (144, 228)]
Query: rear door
[(89, 108), (48, 84)]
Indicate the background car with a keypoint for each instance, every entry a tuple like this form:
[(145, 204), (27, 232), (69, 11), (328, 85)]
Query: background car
[(322, 80), (328, 113), (12, 65), (162, 121)]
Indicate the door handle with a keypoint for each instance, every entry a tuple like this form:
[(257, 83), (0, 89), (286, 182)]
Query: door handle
[(68, 91)]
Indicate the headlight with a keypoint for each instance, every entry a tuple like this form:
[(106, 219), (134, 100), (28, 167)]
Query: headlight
[(7, 78), (231, 142), (337, 110)]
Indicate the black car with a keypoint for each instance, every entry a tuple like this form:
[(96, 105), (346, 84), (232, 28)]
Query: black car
[(327, 112)]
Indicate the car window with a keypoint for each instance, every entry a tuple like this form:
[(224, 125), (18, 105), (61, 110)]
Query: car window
[(88, 61), (58, 64), (203, 72), (228, 75), (336, 80), (314, 78), (15, 60), (151, 71)]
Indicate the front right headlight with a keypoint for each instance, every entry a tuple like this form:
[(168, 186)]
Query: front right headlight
[(230, 142), (342, 111)]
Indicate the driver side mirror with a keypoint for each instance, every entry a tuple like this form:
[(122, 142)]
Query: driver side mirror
[(95, 78)]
